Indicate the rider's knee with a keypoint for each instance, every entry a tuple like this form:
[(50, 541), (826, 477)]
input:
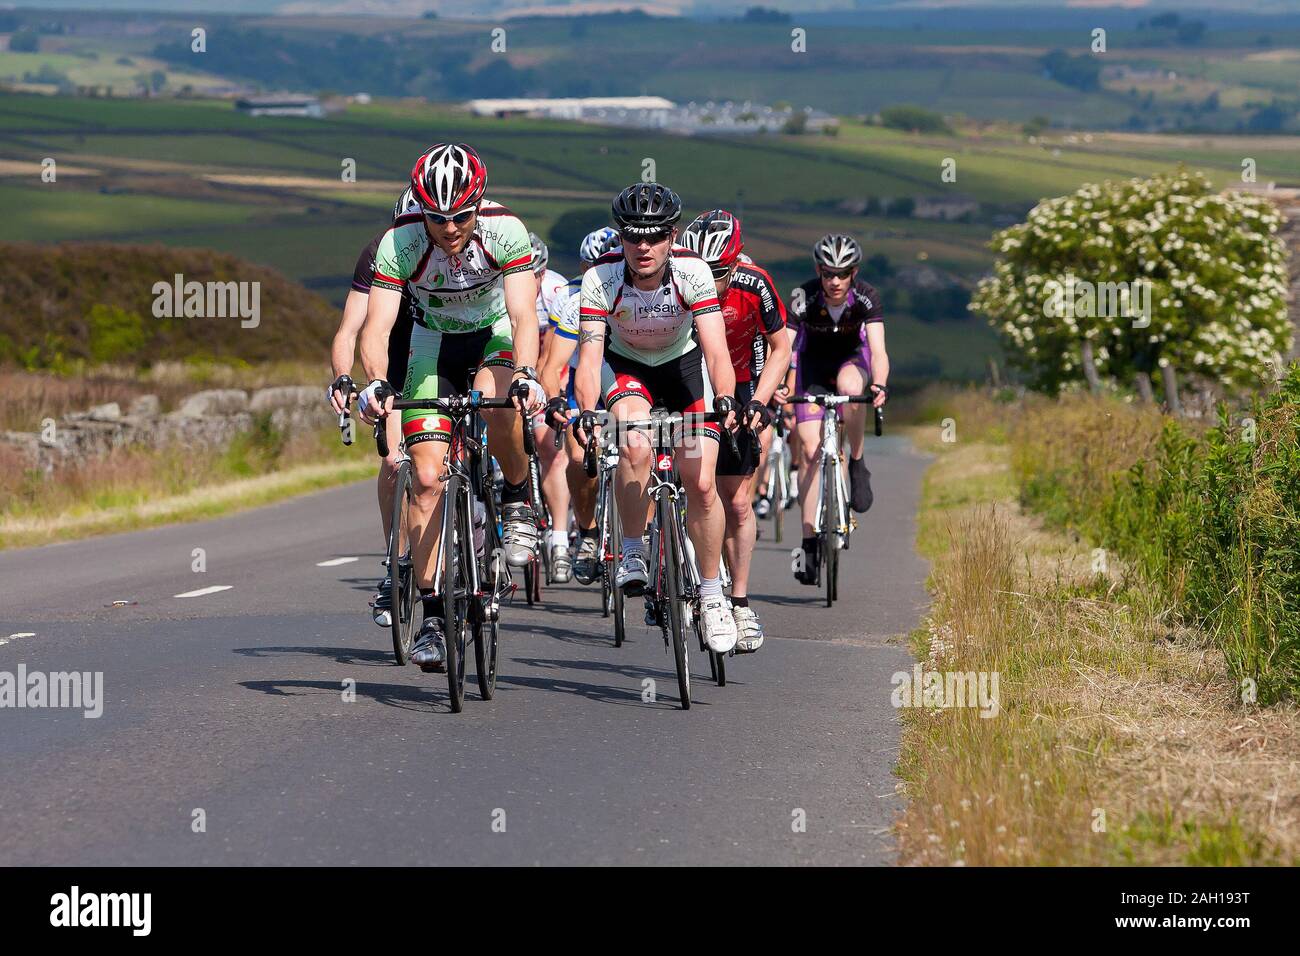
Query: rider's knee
[(424, 479)]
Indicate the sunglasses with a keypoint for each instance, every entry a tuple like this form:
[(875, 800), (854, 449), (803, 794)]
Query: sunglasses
[(837, 273), (459, 219), (720, 272), (654, 238)]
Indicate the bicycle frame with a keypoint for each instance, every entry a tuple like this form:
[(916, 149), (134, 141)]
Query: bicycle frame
[(829, 459)]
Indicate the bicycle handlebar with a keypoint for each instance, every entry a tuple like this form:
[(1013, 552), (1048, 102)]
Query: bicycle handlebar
[(455, 405)]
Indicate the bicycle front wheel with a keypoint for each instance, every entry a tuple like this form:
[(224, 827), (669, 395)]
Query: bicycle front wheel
[(402, 586), (612, 556), (456, 584), (674, 598)]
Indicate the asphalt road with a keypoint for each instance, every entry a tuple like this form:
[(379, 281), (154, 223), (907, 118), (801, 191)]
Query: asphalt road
[(225, 739)]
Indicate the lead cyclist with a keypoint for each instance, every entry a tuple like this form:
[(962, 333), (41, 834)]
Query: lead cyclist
[(467, 264)]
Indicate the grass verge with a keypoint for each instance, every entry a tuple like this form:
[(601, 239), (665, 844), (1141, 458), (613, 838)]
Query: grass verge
[(1116, 738)]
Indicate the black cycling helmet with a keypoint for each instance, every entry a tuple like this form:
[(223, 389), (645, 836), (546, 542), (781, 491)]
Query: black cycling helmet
[(646, 208)]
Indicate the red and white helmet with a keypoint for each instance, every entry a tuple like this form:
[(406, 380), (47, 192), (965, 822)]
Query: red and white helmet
[(715, 235), (448, 177)]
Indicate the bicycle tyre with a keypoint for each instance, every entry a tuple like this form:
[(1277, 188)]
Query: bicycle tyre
[(673, 595), (401, 574), (829, 536), (455, 588), (618, 604)]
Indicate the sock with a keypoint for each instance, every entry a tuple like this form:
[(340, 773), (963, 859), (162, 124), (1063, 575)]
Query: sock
[(432, 603), (588, 532), (740, 602), (634, 546), (810, 544), (513, 494), (711, 587), (559, 539)]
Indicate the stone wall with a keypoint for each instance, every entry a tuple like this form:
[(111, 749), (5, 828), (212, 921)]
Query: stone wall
[(209, 418)]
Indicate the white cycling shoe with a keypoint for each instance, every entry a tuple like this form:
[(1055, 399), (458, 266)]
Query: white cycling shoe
[(633, 575), (749, 630), (718, 623)]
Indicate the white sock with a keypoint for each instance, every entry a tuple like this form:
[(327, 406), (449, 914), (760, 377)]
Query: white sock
[(634, 546), (711, 587), (559, 539)]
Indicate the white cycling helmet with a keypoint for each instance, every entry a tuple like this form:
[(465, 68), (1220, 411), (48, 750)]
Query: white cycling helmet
[(541, 255), (406, 203), (597, 243), (837, 251)]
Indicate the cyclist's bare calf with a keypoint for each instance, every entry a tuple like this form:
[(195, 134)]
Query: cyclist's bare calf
[(428, 464), (737, 494), (697, 464)]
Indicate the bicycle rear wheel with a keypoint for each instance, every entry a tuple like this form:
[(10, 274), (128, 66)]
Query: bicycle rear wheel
[(402, 586), (673, 599), (455, 585)]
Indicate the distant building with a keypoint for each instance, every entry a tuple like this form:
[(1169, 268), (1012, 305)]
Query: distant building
[(947, 208), (658, 113), (574, 108), (281, 106)]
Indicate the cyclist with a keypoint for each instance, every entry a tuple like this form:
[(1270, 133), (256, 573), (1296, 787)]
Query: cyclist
[(839, 348), (754, 317), (651, 312), (467, 264), (342, 356), (551, 287), (559, 358)]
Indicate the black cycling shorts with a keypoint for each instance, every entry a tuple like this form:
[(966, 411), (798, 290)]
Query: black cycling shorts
[(678, 385)]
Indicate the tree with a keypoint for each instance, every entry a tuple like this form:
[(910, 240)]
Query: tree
[(1081, 72), (1210, 266), (25, 42), (913, 119)]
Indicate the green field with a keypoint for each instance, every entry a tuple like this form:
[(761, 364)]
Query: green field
[(151, 163)]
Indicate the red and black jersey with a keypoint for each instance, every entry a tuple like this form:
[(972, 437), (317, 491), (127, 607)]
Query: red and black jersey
[(751, 309)]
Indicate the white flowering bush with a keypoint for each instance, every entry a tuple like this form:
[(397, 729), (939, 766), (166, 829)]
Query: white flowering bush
[(1211, 267)]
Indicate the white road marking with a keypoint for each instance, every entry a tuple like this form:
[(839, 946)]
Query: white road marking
[(15, 636), (202, 591), (335, 562)]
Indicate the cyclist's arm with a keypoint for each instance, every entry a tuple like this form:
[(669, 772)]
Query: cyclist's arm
[(558, 351), (713, 340), (775, 371), (591, 354), (381, 316), (343, 351), (521, 304), (879, 357)]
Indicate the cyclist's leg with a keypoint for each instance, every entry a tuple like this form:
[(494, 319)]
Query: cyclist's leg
[(629, 399), (810, 380), (689, 391), (554, 463), (388, 472), (852, 380), (582, 489), (735, 482), (504, 426), (427, 434)]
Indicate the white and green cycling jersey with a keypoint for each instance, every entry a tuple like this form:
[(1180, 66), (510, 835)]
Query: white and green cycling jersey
[(460, 292)]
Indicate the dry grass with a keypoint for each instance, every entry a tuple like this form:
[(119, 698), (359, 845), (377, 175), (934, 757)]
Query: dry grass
[(1112, 743), (134, 487)]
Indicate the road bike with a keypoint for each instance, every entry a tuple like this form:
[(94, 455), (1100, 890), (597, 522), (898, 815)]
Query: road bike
[(471, 571), (832, 523), (674, 584), (776, 477)]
